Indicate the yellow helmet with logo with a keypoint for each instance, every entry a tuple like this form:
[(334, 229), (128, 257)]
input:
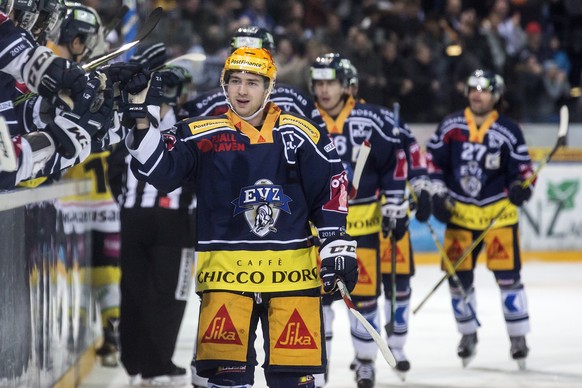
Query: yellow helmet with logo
[(251, 60)]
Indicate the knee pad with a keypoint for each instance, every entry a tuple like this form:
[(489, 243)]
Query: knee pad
[(515, 309), (402, 314), (466, 324)]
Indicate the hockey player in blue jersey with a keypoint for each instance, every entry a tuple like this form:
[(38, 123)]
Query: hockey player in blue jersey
[(350, 123), (287, 97), (37, 69), (478, 160), (255, 264)]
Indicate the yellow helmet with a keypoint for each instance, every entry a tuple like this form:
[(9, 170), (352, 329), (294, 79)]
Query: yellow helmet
[(251, 60)]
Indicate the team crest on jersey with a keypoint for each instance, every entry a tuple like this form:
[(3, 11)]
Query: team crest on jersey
[(360, 130), (261, 204), (470, 179)]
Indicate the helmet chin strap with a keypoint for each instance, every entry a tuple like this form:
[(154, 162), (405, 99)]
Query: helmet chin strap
[(247, 118)]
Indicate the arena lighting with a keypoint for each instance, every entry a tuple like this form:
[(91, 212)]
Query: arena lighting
[(576, 92), (454, 50)]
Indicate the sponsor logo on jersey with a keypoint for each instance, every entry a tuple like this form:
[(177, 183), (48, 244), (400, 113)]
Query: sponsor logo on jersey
[(401, 170), (303, 125), (261, 205), (221, 329), (295, 334), (496, 251), (169, 141)]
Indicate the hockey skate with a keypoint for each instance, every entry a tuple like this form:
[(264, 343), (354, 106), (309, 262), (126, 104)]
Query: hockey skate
[(519, 350), (402, 363), (467, 348), (176, 377), (110, 347), (365, 375)]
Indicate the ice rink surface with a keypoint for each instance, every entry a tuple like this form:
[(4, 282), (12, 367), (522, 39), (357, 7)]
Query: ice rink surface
[(554, 292)]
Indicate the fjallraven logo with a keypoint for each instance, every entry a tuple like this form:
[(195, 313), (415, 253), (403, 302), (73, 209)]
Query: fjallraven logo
[(497, 251), (221, 329), (262, 204), (296, 335)]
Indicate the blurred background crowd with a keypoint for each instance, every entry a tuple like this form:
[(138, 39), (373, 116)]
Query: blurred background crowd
[(416, 52)]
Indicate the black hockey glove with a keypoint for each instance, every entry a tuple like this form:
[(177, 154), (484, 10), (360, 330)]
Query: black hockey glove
[(442, 202), (150, 56), (174, 77), (54, 78), (422, 190), (395, 219), (121, 72), (144, 103), (92, 112), (338, 261), (518, 194)]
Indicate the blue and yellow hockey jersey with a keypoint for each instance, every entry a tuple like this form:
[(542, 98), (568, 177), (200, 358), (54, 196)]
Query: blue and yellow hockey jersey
[(257, 190), (478, 165)]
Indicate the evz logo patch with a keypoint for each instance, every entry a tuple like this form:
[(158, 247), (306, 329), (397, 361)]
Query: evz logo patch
[(261, 204)]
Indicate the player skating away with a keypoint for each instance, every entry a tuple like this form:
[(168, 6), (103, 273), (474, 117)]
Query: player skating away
[(478, 160), (349, 123), (248, 271)]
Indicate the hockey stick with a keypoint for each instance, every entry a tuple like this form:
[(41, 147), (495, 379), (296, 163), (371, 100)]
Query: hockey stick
[(560, 142), (359, 168), (384, 349), (8, 160), (447, 262), (390, 325), (148, 26)]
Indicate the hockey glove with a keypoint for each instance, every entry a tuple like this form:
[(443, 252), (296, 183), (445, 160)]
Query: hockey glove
[(442, 202), (121, 72), (144, 103), (395, 219), (174, 77), (93, 111), (54, 78), (422, 191), (150, 56), (338, 261), (518, 194)]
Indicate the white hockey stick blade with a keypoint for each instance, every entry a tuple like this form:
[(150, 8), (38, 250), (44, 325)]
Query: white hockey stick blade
[(384, 349), (359, 168), (191, 57), (8, 160), (564, 120), (148, 26)]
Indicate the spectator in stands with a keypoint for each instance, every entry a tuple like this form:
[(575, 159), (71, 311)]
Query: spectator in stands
[(369, 64), (398, 84)]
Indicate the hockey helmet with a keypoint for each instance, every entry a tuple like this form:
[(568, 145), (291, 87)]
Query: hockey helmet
[(252, 36), (250, 60), (80, 21), (332, 66), (485, 80), (6, 6), (25, 13)]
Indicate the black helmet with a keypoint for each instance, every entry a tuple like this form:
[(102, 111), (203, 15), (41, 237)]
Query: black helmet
[(6, 6), (486, 80), (25, 13), (332, 66), (252, 36), (82, 21)]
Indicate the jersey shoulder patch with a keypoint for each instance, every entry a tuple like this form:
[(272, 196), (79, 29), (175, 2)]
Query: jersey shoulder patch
[(302, 124)]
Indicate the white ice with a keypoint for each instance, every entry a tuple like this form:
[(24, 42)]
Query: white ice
[(554, 292)]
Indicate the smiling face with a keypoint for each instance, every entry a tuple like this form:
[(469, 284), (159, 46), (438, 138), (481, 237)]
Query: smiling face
[(246, 92)]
